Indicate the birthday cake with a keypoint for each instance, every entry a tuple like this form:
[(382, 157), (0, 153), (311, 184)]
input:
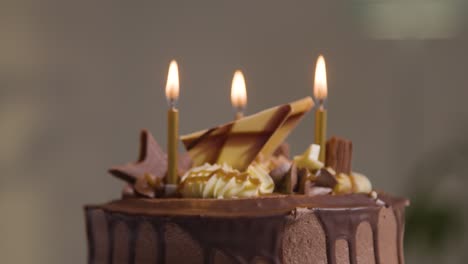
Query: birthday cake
[(241, 199), (236, 196)]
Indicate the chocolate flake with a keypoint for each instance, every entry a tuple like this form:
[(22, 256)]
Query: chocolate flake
[(339, 154)]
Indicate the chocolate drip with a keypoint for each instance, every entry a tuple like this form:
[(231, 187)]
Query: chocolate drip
[(110, 227), (343, 224), (208, 255), (133, 233), (90, 235), (132, 225), (398, 206), (400, 218), (243, 230), (158, 227), (248, 237), (375, 240)]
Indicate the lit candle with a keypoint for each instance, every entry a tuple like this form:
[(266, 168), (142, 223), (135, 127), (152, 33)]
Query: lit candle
[(172, 94), (238, 94), (320, 94)]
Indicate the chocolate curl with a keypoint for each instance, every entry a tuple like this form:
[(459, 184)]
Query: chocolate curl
[(339, 154)]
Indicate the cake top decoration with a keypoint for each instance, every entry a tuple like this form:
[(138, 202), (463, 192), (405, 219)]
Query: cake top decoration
[(246, 157), (152, 160), (147, 176), (222, 181), (239, 142)]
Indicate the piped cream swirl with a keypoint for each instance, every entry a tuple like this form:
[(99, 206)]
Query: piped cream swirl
[(222, 181)]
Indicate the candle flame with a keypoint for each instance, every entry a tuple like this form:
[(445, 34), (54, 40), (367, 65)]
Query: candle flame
[(320, 83), (172, 85), (238, 90)]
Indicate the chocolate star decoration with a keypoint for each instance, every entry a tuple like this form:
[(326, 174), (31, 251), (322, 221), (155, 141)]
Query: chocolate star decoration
[(152, 160)]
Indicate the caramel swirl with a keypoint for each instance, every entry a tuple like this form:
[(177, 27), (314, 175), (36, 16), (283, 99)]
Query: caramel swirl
[(222, 181)]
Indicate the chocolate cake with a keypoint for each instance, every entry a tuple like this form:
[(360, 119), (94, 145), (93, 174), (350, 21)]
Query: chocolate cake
[(241, 199)]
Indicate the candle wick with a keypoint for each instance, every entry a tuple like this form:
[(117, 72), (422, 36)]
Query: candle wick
[(172, 103), (321, 104), (239, 112)]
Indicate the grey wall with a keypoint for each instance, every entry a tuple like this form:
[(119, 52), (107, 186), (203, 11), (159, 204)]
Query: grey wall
[(79, 79)]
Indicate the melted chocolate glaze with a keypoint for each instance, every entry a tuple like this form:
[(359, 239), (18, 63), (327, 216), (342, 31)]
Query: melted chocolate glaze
[(246, 229), (239, 245), (343, 224)]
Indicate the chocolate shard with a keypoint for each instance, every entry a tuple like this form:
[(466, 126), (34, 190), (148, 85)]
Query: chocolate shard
[(238, 143), (311, 189), (339, 154), (280, 172), (184, 163), (282, 150), (152, 160), (303, 175), (324, 178), (289, 182)]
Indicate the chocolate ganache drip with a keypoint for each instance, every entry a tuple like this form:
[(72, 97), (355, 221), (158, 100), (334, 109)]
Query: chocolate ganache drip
[(232, 231)]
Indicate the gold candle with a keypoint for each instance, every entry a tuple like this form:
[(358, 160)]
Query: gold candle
[(172, 94), (320, 137), (320, 93), (238, 94), (239, 114), (172, 144)]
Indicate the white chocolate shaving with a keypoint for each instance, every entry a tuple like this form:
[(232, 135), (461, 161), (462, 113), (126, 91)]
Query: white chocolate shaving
[(309, 159)]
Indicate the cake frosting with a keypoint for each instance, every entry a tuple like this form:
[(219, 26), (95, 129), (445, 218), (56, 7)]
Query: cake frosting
[(222, 181)]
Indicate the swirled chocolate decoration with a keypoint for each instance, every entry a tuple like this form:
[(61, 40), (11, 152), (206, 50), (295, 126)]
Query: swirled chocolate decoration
[(239, 142)]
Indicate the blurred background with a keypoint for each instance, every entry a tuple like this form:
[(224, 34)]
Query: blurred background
[(79, 79)]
